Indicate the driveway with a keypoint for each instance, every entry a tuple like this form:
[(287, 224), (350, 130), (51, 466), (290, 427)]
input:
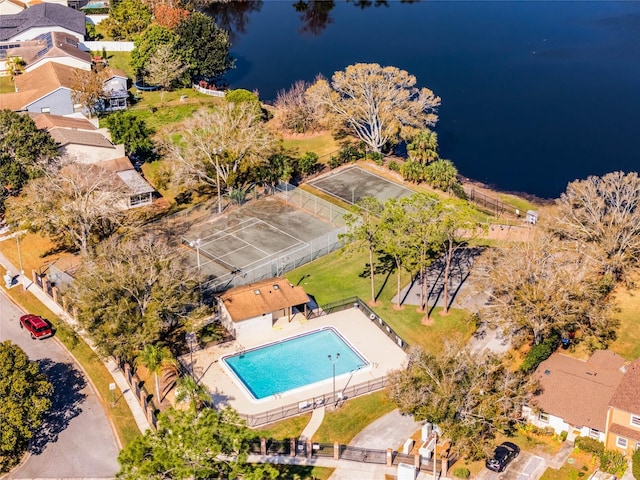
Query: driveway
[(75, 440), (389, 431), (526, 467)]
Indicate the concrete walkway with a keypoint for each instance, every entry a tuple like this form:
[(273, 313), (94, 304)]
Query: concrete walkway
[(118, 376)]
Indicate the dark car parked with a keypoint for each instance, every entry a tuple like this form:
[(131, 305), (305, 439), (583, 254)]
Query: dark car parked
[(502, 456), (37, 326)]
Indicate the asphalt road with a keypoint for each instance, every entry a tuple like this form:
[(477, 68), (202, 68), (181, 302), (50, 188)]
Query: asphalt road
[(75, 440)]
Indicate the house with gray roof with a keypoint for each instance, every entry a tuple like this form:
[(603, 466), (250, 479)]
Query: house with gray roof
[(42, 18)]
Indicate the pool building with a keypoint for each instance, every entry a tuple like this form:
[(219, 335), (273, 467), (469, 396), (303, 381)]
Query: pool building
[(255, 307)]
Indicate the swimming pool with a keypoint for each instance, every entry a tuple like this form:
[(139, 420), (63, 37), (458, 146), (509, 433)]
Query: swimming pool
[(294, 362)]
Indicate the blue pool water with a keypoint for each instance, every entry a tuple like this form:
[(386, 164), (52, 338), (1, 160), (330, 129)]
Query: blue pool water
[(294, 362)]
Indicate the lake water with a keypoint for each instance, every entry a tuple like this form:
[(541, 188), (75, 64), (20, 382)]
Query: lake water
[(534, 94)]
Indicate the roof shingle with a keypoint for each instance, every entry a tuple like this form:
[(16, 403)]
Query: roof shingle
[(627, 396)]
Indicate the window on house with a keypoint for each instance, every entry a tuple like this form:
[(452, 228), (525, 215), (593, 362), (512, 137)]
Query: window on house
[(543, 417), (621, 442), (45, 110), (635, 420), (593, 433)]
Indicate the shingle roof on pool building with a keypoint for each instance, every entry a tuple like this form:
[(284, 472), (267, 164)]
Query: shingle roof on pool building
[(254, 299)]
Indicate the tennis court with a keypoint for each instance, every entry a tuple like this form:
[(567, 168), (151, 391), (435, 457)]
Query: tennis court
[(353, 183), (258, 240)]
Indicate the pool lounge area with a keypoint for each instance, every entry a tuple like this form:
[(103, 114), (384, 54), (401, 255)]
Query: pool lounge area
[(362, 336)]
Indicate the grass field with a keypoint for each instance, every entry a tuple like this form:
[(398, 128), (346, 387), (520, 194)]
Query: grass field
[(6, 85), (338, 276), (322, 145), (627, 300)]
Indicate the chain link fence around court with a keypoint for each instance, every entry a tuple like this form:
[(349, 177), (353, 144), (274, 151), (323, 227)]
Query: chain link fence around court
[(281, 263)]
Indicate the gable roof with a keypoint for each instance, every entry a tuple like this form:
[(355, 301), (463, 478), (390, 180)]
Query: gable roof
[(627, 396), (254, 299), (127, 174), (579, 391), (33, 85), (47, 121), (42, 15), (68, 136), (55, 45)]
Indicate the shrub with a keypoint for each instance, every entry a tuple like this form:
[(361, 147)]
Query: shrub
[(350, 153), (334, 162), (441, 174), (635, 464), (308, 163), (612, 461), (458, 191), (377, 157), (412, 171), (563, 435), (461, 472), (590, 445), (393, 166), (539, 353)]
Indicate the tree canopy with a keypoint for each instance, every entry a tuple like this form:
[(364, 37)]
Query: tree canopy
[(193, 445), (24, 398), (470, 397), (220, 143), (146, 44), (127, 18), (134, 292), (132, 131), (603, 215), (375, 103), (203, 46), (24, 153)]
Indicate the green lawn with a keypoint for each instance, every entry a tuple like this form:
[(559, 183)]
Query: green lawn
[(303, 472), (322, 145), (338, 276), (351, 418), (627, 301), (285, 429), (119, 60)]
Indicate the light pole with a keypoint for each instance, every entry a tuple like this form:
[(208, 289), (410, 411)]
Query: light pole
[(19, 254), (333, 364), (216, 153), (196, 244)]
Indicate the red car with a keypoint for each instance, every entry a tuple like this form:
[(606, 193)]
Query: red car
[(37, 326)]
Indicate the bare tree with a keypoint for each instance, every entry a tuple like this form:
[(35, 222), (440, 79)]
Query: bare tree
[(602, 214), (218, 143), (376, 103), (470, 397), (164, 68), (75, 205), (88, 89), (544, 287), (294, 112)]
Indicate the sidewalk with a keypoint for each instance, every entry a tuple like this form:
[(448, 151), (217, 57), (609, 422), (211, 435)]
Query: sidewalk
[(118, 376)]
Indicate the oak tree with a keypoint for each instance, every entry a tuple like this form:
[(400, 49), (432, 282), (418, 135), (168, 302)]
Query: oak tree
[(377, 104), (218, 143), (294, 112), (25, 151), (83, 203), (146, 43), (127, 18), (602, 214), (470, 397), (24, 398), (193, 444), (134, 292)]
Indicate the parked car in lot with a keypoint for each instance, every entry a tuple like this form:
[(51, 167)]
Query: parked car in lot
[(37, 326), (502, 456)]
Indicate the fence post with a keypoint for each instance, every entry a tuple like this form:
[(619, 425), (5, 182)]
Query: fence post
[(445, 466), (336, 451), (292, 447), (309, 448), (416, 461), (263, 446)]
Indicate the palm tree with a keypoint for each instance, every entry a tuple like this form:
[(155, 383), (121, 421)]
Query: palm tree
[(188, 389), (424, 147), (154, 358)]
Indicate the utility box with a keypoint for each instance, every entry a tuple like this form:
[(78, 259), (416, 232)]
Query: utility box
[(532, 217)]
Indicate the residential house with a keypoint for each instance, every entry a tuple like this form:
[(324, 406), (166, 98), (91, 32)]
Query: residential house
[(49, 47), (42, 18), (623, 416), (140, 192), (253, 308), (116, 90), (575, 394), (47, 89), (78, 138)]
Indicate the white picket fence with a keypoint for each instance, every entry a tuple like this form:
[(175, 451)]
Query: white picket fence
[(206, 91), (108, 46)]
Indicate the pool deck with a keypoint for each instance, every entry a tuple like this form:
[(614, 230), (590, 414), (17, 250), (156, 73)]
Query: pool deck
[(360, 332)]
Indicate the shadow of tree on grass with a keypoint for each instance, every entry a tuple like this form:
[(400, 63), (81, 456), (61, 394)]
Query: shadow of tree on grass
[(66, 401)]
